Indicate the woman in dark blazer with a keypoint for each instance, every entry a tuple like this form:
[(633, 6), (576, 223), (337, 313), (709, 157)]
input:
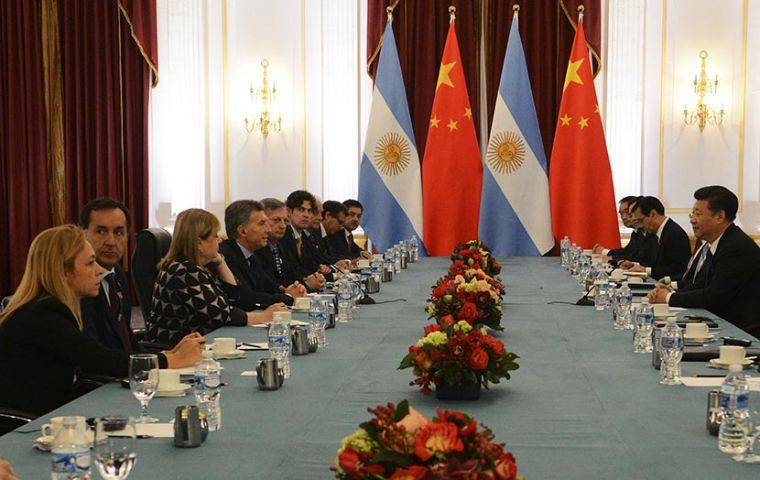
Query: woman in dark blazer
[(195, 288), (41, 343)]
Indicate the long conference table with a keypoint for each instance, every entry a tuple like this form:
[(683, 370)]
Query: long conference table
[(581, 406)]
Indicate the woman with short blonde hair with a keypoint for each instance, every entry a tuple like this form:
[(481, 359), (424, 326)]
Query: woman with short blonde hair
[(195, 288), (41, 328)]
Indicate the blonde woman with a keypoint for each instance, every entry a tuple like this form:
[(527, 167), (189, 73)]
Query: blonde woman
[(41, 341), (195, 288)]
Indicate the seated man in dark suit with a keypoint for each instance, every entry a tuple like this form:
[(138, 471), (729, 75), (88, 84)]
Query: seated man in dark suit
[(330, 227), (342, 242), (673, 247), (730, 264), (637, 245), (107, 317), (247, 231), (271, 257), (298, 249)]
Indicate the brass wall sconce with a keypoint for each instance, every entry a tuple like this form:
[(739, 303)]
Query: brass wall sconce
[(703, 113), (264, 97)]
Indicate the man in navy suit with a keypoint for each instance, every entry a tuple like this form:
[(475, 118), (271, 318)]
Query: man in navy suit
[(248, 230), (107, 317), (727, 280), (673, 249)]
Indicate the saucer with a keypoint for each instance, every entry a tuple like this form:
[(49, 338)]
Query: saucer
[(173, 392), (44, 443), (715, 362), (706, 339), (298, 309), (229, 355)]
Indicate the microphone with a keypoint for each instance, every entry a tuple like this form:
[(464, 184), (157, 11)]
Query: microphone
[(584, 300)]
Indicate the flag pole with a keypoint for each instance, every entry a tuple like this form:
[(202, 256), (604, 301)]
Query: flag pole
[(581, 8), (452, 13)]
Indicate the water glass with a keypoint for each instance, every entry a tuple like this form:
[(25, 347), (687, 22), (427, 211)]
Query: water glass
[(114, 450), (143, 381), (751, 428)]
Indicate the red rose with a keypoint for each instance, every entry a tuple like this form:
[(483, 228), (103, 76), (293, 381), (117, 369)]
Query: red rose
[(433, 327), (348, 461), (439, 290), (373, 468), (437, 438), (505, 467), (447, 320), (478, 359), (469, 312), (415, 472)]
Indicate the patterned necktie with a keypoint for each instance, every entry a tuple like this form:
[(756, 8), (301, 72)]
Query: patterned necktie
[(691, 269), (277, 258), (707, 264), (299, 244), (350, 240), (114, 298)]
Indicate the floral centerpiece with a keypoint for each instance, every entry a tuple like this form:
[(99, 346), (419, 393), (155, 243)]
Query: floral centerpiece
[(474, 254), (398, 443), (458, 359), (470, 295)]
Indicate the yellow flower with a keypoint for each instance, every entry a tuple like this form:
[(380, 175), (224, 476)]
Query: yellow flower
[(431, 308), (462, 326), (359, 441), (433, 339)]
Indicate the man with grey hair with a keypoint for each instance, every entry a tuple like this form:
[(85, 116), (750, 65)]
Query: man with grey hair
[(247, 231), (272, 259)]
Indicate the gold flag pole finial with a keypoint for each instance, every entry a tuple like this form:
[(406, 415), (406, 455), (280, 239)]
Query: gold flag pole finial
[(389, 11), (515, 8), (452, 13), (581, 9)]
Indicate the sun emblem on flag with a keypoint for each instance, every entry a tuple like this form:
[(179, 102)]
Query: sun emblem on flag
[(392, 153), (506, 152)]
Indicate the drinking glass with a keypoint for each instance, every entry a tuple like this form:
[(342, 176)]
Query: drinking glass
[(114, 449), (143, 381), (751, 429)]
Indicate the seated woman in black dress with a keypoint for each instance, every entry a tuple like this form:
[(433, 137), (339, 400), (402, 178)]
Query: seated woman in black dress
[(41, 341), (195, 287)]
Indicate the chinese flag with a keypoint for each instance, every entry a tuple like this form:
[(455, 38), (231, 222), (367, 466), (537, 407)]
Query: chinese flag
[(451, 168), (580, 179)]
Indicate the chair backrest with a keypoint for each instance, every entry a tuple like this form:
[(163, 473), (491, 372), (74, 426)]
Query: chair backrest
[(152, 245)]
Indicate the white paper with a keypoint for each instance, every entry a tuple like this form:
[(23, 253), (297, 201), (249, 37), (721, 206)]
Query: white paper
[(713, 382), (158, 430), (249, 373)]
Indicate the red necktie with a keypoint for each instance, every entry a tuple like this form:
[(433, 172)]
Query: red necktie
[(350, 240)]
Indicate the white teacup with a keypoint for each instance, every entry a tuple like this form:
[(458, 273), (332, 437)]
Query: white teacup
[(661, 310), (301, 303), (283, 316), (697, 330), (168, 379), (224, 345), (55, 425), (731, 354)]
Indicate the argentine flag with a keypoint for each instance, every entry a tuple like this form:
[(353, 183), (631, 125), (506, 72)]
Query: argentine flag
[(514, 207), (390, 185)]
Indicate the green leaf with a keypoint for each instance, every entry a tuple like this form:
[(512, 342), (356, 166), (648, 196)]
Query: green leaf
[(369, 428), (392, 458), (406, 362), (402, 410)]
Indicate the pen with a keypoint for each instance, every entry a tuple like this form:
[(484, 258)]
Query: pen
[(709, 376)]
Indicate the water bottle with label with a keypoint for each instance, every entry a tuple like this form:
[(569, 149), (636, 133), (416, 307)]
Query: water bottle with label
[(345, 294), (734, 402), (318, 320), (70, 452), (642, 339), (279, 342), (671, 351), (573, 260), (601, 289), (414, 248), (208, 390), (584, 268), (623, 306)]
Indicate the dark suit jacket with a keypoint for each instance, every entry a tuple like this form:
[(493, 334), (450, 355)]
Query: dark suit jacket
[(310, 258), (42, 348), (733, 283), (339, 245), (641, 248), (99, 324), (673, 252), (257, 288), (324, 248)]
